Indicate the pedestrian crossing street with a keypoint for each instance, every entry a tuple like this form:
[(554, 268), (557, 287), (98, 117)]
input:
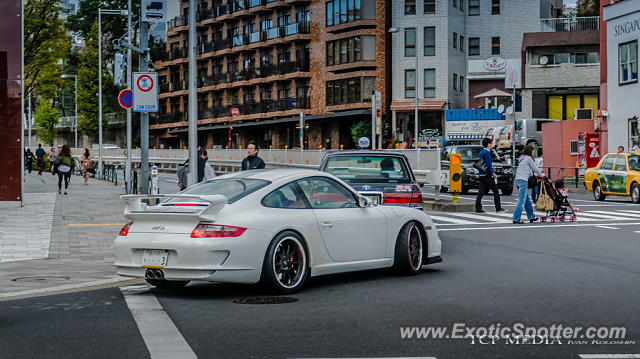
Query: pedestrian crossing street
[(442, 219)]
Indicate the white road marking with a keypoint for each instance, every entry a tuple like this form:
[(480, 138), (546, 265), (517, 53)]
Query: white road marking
[(451, 220), (534, 226), (609, 356), (169, 180), (161, 336), (482, 217), (607, 227), (637, 232), (600, 216), (632, 214), (375, 358)]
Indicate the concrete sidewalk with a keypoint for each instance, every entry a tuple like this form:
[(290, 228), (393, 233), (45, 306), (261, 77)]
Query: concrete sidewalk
[(59, 242)]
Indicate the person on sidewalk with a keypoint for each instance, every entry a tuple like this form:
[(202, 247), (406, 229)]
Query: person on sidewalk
[(52, 157), (488, 180), (205, 171), (252, 161), (40, 158), (526, 167), (64, 165), (620, 149), (87, 165), (28, 160)]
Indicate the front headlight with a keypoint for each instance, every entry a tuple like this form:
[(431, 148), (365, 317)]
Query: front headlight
[(508, 170), (472, 171)]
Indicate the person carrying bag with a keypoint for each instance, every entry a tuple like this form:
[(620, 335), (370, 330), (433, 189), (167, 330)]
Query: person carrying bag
[(526, 167)]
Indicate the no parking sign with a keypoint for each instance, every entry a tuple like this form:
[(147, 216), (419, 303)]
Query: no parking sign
[(145, 92)]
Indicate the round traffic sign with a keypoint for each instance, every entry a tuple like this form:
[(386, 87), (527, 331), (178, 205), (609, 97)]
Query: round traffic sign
[(234, 111), (145, 83), (364, 142), (125, 98)]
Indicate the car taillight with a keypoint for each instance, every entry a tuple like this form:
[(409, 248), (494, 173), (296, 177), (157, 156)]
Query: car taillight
[(491, 138), (125, 230), (397, 198), (416, 197), (204, 230), (509, 137)]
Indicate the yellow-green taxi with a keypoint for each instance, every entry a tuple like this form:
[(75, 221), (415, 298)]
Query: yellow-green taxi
[(617, 174)]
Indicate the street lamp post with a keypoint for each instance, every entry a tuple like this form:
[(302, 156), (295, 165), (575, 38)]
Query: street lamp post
[(393, 30), (75, 122)]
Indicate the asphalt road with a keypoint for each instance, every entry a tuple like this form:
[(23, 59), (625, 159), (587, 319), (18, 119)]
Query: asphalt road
[(579, 274)]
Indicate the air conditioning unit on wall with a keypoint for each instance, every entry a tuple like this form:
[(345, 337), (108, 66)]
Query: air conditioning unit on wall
[(583, 114)]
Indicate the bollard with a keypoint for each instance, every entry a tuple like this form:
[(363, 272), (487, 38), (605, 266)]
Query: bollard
[(576, 177)]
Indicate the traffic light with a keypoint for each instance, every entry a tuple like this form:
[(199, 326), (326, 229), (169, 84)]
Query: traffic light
[(119, 70), (455, 173)]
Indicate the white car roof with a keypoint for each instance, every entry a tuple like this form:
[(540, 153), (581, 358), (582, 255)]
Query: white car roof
[(275, 174)]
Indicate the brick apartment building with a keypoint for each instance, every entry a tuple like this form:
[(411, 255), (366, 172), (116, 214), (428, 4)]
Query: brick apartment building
[(273, 59)]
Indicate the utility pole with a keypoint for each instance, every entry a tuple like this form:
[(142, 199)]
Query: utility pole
[(127, 175), (75, 127), (193, 97), (29, 122), (144, 116), (373, 120)]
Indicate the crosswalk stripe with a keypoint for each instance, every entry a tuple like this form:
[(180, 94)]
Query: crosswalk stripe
[(599, 216), (451, 220), (619, 213), (480, 217), (633, 213)]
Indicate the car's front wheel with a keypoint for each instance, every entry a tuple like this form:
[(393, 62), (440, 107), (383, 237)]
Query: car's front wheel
[(409, 250), (635, 193), (286, 265), (167, 284), (597, 192)]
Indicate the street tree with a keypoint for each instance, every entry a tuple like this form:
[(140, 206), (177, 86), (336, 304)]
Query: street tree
[(88, 84), (46, 117), (588, 8), (360, 129), (45, 43)]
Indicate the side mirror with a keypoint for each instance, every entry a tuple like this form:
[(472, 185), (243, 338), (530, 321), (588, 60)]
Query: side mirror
[(364, 202)]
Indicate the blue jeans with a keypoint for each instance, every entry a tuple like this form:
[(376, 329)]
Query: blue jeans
[(523, 200)]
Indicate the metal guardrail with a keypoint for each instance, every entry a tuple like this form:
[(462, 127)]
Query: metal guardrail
[(570, 24), (570, 175)]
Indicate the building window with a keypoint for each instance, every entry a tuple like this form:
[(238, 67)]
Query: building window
[(633, 133), (429, 6), (474, 46), (461, 43), (455, 81), (495, 7), (474, 7), (429, 83), (345, 91), (628, 60), (454, 4), (461, 87), (495, 45), (342, 11), (409, 7), (330, 61), (409, 83), (349, 51), (429, 41), (455, 40), (409, 42)]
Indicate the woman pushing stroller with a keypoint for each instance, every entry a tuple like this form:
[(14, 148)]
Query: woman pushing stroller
[(526, 167)]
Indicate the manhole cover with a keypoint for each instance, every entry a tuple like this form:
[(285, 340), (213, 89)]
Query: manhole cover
[(265, 300), (41, 278)]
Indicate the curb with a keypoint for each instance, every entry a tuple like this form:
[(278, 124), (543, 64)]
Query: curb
[(447, 206), (69, 288)]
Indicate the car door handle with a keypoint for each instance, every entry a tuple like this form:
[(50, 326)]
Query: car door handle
[(326, 225)]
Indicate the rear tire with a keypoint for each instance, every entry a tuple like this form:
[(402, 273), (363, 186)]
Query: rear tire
[(286, 264), (635, 193), (597, 192), (167, 284), (409, 251)]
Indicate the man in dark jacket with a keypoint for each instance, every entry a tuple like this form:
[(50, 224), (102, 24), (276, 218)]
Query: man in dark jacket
[(487, 180), (252, 161), (40, 158)]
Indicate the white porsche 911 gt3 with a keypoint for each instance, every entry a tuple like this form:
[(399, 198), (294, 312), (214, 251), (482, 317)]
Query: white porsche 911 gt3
[(277, 226)]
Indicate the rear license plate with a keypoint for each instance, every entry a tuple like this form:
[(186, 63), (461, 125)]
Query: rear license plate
[(375, 198), (154, 258)]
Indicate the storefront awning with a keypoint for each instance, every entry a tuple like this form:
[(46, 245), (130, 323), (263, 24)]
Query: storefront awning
[(494, 92), (423, 105), (464, 137)]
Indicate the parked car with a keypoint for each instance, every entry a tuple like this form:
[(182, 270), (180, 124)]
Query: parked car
[(384, 177), (278, 227), (529, 130), (615, 175), (504, 141), (493, 134), (469, 154)]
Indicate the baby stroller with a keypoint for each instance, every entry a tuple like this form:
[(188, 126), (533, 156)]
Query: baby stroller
[(561, 205)]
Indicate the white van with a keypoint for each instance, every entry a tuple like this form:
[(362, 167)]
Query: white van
[(530, 130)]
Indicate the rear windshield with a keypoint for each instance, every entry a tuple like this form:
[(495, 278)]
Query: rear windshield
[(506, 130), (232, 188), (368, 169), (634, 163)]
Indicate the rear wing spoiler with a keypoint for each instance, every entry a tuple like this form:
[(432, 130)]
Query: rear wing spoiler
[(135, 208)]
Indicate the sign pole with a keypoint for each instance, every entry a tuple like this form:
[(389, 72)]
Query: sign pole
[(99, 93), (373, 120), (144, 116), (513, 131), (193, 104), (127, 174)]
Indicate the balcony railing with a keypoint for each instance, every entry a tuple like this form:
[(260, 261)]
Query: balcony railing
[(253, 107), (178, 21), (172, 86), (570, 24), (167, 118)]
